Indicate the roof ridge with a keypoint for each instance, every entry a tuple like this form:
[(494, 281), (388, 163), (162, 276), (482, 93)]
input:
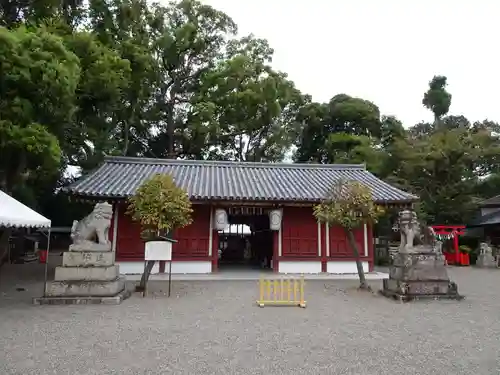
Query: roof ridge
[(159, 161)]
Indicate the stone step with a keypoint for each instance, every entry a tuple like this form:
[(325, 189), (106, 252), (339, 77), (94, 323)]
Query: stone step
[(415, 287), (88, 258), (86, 273), (86, 288)]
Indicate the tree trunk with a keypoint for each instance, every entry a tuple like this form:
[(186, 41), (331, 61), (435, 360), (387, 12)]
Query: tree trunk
[(145, 276), (361, 273), (126, 140), (170, 131)]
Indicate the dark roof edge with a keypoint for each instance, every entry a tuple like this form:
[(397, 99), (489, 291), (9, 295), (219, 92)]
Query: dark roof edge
[(94, 196), (139, 160), (493, 201)]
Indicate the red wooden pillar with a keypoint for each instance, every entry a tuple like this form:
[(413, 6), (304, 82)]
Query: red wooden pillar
[(455, 246), (322, 241), (371, 248)]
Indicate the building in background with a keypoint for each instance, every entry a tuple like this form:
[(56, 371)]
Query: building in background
[(274, 200)]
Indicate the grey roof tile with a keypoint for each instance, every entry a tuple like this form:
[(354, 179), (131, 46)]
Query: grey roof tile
[(493, 218), (494, 201), (119, 177)]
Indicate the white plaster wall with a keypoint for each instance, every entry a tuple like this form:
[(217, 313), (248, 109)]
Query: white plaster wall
[(133, 268), (299, 266), (190, 267), (136, 268), (340, 267)]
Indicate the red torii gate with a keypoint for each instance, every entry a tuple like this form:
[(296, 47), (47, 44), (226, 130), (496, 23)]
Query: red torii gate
[(452, 231)]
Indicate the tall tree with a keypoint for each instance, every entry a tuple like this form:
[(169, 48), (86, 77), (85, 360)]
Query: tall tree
[(436, 98), (105, 76), (444, 167), (250, 110), (15, 12), (343, 114), (129, 27), (38, 81), (189, 40), (350, 205)]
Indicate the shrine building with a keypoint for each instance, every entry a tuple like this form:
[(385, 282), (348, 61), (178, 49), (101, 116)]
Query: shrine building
[(273, 201)]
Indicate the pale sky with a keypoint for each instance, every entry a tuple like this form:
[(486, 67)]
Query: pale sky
[(385, 51)]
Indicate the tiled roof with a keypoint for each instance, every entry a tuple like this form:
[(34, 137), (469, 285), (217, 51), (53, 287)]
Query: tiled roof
[(494, 201), (493, 218), (119, 177)]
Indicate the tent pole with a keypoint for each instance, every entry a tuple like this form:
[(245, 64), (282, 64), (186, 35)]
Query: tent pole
[(46, 265)]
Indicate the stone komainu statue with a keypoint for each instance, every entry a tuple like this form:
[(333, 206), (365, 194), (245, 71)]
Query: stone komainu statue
[(409, 228), (94, 226), (485, 249), (416, 237)]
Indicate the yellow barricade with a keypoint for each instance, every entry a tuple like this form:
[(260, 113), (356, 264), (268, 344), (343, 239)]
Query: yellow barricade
[(282, 292)]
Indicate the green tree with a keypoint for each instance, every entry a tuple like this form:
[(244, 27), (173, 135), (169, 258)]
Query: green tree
[(38, 80), (160, 206), (346, 148), (353, 116), (444, 168), (350, 205), (248, 109), (129, 28), (189, 40), (15, 12), (311, 142), (436, 98), (105, 77), (343, 114)]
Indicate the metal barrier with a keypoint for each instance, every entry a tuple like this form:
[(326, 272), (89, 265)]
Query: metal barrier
[(282, 292)]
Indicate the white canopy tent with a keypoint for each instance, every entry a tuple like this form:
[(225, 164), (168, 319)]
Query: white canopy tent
[(14, 214)]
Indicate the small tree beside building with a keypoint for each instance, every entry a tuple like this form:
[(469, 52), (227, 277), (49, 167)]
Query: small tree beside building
[(160, 206), (349, 204)]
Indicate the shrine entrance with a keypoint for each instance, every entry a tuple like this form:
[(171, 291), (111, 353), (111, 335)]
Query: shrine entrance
[(451, 232), (247, 243)]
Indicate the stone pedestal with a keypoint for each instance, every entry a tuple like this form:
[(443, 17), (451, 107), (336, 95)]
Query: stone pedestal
[(86, 277), (419, 275), (486, 261)]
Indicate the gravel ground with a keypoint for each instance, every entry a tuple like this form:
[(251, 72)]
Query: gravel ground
[(215, 328)]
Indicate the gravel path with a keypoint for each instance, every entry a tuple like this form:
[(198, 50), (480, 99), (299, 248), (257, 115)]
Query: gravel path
[(215, 328)]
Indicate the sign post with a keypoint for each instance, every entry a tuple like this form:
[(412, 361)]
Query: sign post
[(160, 251)]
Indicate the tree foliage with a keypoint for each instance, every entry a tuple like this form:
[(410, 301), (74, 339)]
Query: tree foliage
[(160, 206), (437, 99), (349, 204), (38, 81)]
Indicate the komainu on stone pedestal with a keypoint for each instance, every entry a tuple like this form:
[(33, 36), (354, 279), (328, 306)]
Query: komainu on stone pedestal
[(88, 273), (485, 258), (418, 272), (94, 226)]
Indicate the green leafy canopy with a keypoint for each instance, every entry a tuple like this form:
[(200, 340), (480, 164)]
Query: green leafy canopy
[(348, 204), (160, 206)]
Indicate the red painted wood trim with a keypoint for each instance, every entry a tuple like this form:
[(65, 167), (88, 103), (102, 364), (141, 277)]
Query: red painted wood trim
[(330, 259), (200, 259), (323, 247), (294, 259)]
